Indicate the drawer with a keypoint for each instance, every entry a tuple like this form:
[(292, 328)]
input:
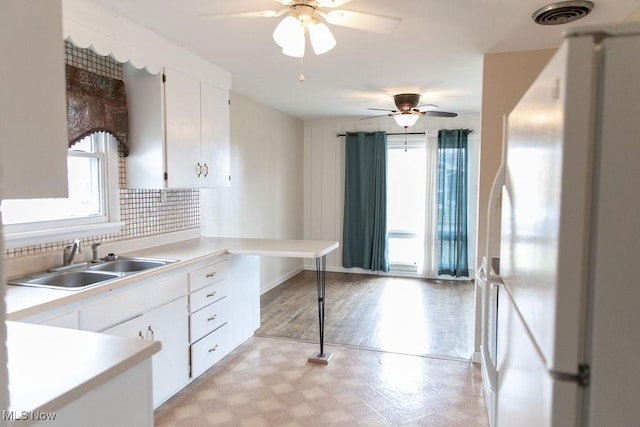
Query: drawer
[(209, 318), (208, 275), (207, 295), (113, 310), (209, 350)]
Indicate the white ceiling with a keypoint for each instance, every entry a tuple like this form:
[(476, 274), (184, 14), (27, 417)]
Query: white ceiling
[(437, 50)]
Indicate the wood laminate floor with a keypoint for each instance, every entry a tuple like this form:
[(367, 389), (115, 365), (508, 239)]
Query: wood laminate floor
[(393, 314)]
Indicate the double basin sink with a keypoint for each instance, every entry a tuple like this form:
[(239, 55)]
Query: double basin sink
[(85, 276)]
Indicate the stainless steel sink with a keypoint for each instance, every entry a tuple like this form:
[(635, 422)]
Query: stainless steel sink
[(84, 276), (66, 279), (129, 265)]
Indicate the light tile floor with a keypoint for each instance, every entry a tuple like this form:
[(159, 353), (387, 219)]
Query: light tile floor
[(268, 382)]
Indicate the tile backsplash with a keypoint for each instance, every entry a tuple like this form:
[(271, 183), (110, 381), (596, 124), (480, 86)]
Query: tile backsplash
[(144, 212)]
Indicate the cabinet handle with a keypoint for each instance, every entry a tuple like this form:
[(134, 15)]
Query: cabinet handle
[(199, 169), (140, 334), (210, 275), (152, 333), (211, 294), (212, 318), (206, 170), (214, 348)]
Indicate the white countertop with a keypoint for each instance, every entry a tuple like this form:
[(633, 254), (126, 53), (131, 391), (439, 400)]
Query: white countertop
[(23, 301), (205, 246), (49, 367)]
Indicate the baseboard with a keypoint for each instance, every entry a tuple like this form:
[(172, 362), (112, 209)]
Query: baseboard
[(476, 357), (356, 270), (267, 287), (335, 269)]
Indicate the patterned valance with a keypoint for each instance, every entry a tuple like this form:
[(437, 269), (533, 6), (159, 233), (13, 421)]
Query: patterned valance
[(96, 103)]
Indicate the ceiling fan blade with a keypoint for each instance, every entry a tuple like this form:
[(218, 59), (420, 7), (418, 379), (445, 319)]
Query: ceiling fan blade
[(383, 109), (428, 105), (332, 3), (438, 114), (257, 14), (373, 117), (318, 3), (362, 21)]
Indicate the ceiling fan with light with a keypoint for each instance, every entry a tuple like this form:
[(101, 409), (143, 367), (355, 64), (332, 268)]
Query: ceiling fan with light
[(408, 111), (311, 16)]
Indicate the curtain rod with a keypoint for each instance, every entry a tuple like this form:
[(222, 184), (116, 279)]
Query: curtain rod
[(394, 133), (399, 133)]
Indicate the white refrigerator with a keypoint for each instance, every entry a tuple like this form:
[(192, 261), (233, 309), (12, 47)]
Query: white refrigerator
[(568, 324)]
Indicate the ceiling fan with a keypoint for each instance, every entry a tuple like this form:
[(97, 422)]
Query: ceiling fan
[(310, 16), (408, 111)]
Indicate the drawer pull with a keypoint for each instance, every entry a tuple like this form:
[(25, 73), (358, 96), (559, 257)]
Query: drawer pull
[(214, 348), (210, 275), (140, 334), (211, 294), (212, 318), (151, 332)]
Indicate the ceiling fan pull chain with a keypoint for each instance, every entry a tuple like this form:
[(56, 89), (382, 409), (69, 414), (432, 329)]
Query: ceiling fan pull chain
[(301, 76), (405, 138)]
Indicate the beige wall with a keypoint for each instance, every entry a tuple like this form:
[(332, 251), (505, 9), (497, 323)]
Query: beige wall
[(265, 198), (506, 77)]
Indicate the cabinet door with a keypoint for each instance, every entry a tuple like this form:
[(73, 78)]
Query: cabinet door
[(182, 127), (132, 328), (33, 122), (214, 104), (168, 324), (145, 164), (68, 320)]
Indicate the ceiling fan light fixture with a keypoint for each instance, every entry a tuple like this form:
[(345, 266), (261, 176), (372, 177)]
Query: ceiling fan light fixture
[(290, 36), (406, 119), (287, 30), (322, 39), (295, 48)]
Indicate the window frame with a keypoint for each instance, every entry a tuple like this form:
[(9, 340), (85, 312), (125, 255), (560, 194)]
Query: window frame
[(42, 232), (404, 142)]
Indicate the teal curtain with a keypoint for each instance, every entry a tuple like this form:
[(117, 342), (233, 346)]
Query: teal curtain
[(365, 201), (453, 159)]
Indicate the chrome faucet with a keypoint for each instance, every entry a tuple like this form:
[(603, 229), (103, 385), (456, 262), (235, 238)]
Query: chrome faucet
[(71, 251), (94, 248)]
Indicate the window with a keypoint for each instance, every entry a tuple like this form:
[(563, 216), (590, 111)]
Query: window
[(92, 205), (406, 178)]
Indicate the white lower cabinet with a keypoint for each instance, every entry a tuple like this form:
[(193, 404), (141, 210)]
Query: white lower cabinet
[(167, 324), (209, 350), (57, 318), (199, 313), (208, 315), (208, 319)]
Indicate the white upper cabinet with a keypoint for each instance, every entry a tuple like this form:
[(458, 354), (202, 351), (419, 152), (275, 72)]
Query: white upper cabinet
[(33, 115), (182, 128), (214, 125), (179, 131), (197, 132), (145, 165)]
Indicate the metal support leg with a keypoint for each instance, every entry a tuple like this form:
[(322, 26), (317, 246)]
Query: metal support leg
[(321, 358)]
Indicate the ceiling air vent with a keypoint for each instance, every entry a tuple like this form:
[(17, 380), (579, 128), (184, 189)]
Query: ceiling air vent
[(562, 13)]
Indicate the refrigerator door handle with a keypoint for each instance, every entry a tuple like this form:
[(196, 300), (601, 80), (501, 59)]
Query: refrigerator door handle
[(582, 377), (496, 189)]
